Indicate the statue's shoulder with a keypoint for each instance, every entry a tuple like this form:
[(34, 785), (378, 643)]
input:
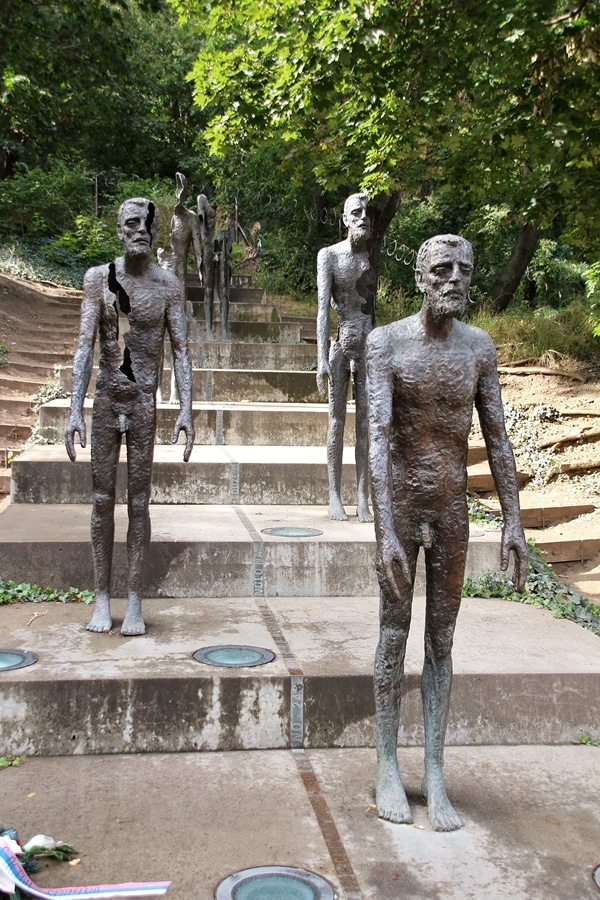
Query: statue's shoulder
[(95, 276), (165, 278)]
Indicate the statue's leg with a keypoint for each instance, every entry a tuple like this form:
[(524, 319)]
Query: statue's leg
[(209, 300), (361, 450), (224, 306), (140, 451), (445, 566), (338, 392), (394, 623), (105, 447)]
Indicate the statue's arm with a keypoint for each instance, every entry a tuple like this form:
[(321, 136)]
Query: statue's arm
[(379, 400), (196, 241), (177, 330), (83, 360), (488, 402), (324, 285)]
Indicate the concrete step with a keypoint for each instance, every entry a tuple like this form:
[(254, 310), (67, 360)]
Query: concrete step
[(520, 677), (249, 332), (235, 385), (240, 312), (43, 357), (195, 293), (210, 551), (219, 355), (295, 476), (269, 424), (21, 384), (536, 512)]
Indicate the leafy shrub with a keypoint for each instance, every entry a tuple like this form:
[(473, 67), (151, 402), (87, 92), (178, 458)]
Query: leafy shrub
[(40, 201)]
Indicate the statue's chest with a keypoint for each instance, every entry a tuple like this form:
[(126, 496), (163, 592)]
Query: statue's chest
[(437, 376)]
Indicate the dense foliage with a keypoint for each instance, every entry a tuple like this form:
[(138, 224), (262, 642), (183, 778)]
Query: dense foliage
[(474, 117)]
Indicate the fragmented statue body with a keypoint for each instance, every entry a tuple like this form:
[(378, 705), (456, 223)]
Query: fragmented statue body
[(346, 281), (425, 374), (128, 304)]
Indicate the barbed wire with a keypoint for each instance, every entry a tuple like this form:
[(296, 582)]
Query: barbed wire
[(399, 252)]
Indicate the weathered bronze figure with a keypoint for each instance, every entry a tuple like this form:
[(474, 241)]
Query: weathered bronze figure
[(424, 375), (346, 280), (129, 304)]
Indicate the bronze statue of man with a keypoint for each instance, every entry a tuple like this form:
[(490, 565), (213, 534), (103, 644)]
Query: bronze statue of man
[(425, 374), (346, 281), (128, 304)]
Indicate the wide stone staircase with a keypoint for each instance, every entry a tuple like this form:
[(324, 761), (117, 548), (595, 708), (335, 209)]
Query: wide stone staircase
[(243, 553)]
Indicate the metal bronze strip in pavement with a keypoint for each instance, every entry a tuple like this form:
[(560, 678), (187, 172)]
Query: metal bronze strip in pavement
[(337, 851), (339, 857)]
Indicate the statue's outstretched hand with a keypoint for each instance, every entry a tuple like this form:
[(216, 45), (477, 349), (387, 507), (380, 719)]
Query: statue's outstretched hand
[(514, 539), (324, 376), (76, 426), (393, 558), (184, 423)]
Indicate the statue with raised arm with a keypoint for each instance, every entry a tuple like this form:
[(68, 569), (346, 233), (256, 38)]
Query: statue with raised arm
[(425, 374), (346, 281), (128, 305)]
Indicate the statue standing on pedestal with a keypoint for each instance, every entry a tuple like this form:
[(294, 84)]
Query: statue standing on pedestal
[(425, 374), (215, 258), (128, 304), (346, 281)]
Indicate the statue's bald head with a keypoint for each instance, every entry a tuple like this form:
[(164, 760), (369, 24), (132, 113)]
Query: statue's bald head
[(139, 206)]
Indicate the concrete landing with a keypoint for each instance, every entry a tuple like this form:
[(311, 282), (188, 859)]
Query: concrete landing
[(214, 474), (532, 826), (209, 551), (520, 677)]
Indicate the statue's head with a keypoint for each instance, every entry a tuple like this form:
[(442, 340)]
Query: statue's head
[(355, 217), (181, 187), (137, 226), (443, 272)]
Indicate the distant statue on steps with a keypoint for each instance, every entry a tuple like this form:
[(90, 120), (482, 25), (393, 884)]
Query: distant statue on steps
[(128, 304), (185, 237), (346, 281), (424, 375)]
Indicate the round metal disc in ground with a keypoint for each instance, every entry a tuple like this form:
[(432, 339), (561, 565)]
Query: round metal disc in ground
[(274, 883), (16, 659), (292, 531), (596, 876), (234, 655)]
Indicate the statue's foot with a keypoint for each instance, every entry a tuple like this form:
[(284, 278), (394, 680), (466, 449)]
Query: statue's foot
[(173, 399), (442, 815), (364, 513), (210, 336), (133, 623), (390, 796), (337, 511), (101, 620), (225, 338)]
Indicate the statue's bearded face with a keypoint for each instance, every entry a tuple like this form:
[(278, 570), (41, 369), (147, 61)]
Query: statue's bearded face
[(445, 277), (137, 227), (356, 219)]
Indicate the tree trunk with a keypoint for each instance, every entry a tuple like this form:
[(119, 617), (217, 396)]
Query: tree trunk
[(503, 289), (382, 210)]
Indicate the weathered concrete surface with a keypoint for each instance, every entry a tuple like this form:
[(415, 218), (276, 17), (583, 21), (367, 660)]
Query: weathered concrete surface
[(214, 474), (532, 826), (236, 355), (236, 385), (209, 551), (520, 676), (267, 424), (252, 332)]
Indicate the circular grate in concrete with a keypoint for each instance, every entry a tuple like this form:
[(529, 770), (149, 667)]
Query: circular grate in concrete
[(234, 655), (16, 659), (292, 531), (274, 883)]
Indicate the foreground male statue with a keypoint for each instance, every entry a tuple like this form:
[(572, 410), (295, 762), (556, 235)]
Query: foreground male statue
[(424, 374), (129, 304), (346, 280)]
